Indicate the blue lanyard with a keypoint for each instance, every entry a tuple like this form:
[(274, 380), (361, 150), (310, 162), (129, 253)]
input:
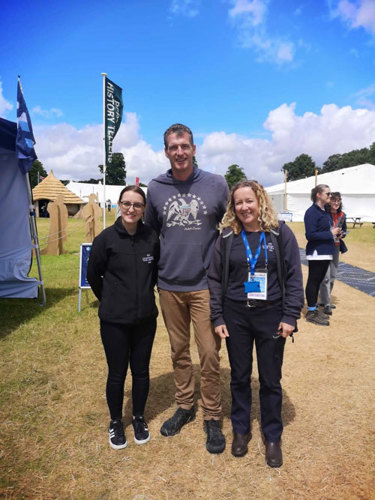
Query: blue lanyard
[(252, 261)]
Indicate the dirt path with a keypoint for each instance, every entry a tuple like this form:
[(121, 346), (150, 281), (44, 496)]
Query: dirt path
[(58, 447)]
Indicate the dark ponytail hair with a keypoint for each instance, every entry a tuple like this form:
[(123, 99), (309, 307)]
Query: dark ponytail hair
[(317, 189)]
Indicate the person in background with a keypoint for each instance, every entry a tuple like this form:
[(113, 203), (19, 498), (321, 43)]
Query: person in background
[(334, 208), (320, 249), (255, 282), (185, 206), (122, 272)]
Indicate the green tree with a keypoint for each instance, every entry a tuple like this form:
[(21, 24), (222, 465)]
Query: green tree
[(303, 166), (332, 163), (355, 157), (371, 155), (234, 174), (91, 181), (116, 171), (36, 168)]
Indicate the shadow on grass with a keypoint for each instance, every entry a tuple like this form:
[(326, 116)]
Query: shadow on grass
[(14, 312), (162, 391)]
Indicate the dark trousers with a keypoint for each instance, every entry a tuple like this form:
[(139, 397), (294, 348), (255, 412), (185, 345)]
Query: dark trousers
[(317, 272), (246, 325), (124, 344)]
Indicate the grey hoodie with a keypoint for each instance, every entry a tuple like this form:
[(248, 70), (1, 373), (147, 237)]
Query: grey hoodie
[(186, 215)]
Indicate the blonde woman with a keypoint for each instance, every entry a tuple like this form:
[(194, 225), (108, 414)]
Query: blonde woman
[(255, 283)]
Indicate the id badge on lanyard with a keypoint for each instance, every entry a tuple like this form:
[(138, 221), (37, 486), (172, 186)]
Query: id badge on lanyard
[(256, 284)]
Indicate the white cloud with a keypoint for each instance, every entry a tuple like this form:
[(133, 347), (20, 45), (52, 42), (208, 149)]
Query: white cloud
[(5, 105), (250, 20), (76, 153), (188, 8), (47, 113), (354, 53), (363, 97), (334, 130), (357, 14), (254, 10)]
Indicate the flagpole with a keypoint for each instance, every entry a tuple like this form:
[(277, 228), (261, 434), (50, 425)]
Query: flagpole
[(34, 235), (104, 75)]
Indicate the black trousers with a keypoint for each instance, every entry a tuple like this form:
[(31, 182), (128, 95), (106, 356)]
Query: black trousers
[(246, 325), (124, 344), (317, 272)]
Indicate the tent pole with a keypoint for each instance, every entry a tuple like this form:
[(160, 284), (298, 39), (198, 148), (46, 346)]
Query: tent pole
[(104, 75), (285, 191), (34, 235)]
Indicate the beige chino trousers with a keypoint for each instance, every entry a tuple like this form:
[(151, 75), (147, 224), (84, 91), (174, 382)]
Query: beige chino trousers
[(179, 309)]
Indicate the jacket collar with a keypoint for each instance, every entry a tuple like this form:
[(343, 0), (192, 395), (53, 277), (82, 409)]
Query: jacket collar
[(121, 230)]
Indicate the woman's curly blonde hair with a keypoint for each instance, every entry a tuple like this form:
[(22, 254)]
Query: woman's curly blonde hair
[(267, 215)]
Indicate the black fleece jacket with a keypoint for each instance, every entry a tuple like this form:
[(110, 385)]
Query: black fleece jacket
[(122, 273), (293, 295)]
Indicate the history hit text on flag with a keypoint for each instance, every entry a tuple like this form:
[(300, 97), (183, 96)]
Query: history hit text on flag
[(113, 108), (25, 138)]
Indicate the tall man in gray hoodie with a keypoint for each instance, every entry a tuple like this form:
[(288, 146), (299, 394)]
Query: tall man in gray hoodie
[(185, 206)]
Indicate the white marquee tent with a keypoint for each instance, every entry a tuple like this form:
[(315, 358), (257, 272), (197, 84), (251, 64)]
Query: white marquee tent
[(83, 190), (356, 185)]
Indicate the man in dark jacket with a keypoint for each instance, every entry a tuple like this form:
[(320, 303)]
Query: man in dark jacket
[(185, 206)]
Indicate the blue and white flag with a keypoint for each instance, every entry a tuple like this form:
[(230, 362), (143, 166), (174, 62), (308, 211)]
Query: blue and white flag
[(25, 138)]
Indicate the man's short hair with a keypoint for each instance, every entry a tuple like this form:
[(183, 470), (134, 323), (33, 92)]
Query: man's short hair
[(178, 129)]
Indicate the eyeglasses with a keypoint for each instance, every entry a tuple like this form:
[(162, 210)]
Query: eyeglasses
[(329, 194), (128, 204)]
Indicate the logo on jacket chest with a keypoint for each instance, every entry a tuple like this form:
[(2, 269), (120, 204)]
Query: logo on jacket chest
[(148, 258), (184, 210)]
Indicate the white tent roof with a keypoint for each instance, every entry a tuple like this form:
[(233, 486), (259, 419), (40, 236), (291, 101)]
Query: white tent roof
[(356, 185), (352, 180), (83, 190)]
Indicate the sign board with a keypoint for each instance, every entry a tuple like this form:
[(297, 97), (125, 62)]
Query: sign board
[(285, 216), (84, 255)]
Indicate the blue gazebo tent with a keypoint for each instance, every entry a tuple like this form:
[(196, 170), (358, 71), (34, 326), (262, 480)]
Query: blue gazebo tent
[(16, 240)]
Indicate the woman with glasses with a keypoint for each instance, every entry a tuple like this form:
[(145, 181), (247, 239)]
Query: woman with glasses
[(256, 291), (122, 272), (334, 208), (319, 249)]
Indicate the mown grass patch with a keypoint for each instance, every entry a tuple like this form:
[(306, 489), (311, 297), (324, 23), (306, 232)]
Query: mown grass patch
[(54, 417), (360, 243)]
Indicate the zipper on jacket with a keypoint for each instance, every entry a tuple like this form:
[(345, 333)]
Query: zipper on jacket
[(136, 279)]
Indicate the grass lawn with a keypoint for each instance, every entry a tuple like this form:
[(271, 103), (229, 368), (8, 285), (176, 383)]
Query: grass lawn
[(360, 242), (54, 417)]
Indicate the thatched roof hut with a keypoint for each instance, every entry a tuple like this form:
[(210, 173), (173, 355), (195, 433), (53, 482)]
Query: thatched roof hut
[(50, 188)]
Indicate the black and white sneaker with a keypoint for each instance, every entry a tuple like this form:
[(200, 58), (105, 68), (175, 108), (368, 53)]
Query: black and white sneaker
[(141, 432), (117, 439)]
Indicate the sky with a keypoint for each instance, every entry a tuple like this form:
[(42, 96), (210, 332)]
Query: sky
[(259, 82)]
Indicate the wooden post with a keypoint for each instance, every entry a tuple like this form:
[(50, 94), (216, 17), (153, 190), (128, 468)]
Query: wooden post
[(91, 213), (57, 228)]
